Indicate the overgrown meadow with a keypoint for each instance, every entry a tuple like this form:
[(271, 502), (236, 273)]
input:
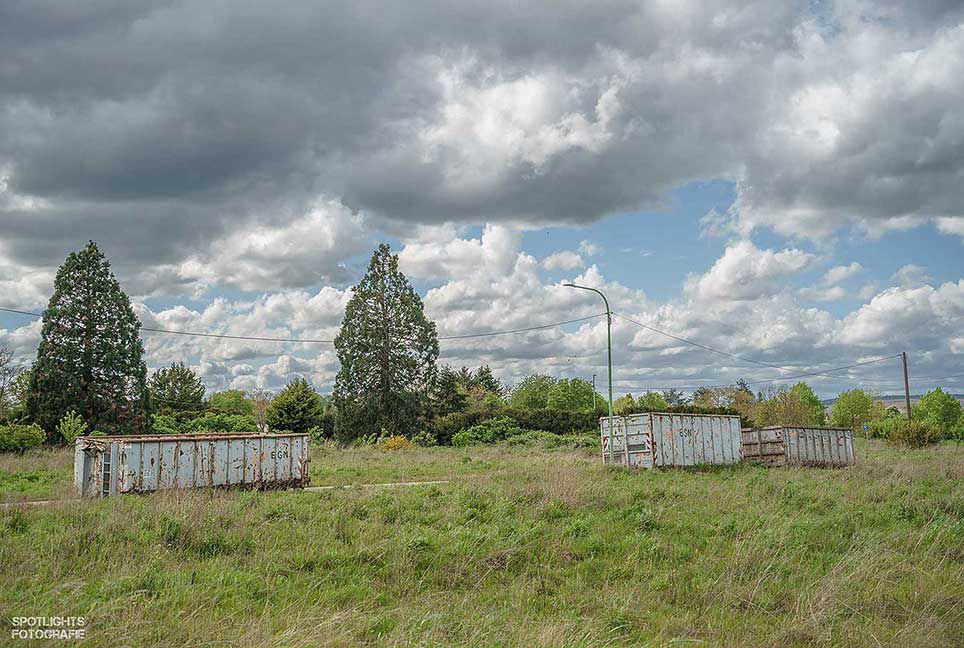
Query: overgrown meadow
[(525, 545)]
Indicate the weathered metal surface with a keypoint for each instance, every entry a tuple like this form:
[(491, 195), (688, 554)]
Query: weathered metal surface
[(663, 439), (764, 445), (136, 464), (800, 446)]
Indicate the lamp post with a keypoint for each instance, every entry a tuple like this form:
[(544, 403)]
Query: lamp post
[(609, 349)]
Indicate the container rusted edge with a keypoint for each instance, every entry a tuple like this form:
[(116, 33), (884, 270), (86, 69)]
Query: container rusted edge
[(186, 437)]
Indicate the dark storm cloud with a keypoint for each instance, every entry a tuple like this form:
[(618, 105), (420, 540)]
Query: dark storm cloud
[(162, 128), (172, 100)]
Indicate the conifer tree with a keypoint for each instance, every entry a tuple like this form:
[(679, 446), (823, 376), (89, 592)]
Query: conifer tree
[(298, 408), (447, 395), (90, 358), (177, 391), (387, 349)]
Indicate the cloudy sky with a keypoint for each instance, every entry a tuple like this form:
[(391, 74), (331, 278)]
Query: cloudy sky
[(783, 181)]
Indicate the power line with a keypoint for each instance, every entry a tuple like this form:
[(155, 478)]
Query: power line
[(935, 378), (701, 346), (824, 372), (751, 360), (520, 330), (252, 338), (313, 341), (20, 312)]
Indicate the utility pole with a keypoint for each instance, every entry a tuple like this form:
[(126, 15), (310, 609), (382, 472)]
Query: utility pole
[(903, 355), (609, 349)]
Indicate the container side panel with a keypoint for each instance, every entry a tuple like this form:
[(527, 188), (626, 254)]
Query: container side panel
[(687, 435), (80, 469), (736, 446), (252, 461), (717, 429), (235, 449), (186, 460), (147, 466), (132, 467), (688, 440), (202, 464), (268, 449), (682, 436), (299, 463), (660, 449), (816, 446), (721, 441), (221, 459), (168, 470), (87, 468), (125, 474), (281, 455)]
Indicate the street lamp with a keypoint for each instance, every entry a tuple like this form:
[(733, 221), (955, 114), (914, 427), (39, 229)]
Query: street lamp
[(609, 348)]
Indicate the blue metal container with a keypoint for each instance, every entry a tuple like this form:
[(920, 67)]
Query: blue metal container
[(665, 439), (139, 464), (796, 445)]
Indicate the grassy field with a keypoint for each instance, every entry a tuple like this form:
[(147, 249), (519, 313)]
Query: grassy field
[(525, 546)]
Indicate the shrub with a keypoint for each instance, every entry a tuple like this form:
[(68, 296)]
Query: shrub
[(425, 439), (71, 426), (445, 427), (395, 442), (222, 423), (18, 438), (232, 401), (956, 432), (555, 421), (883, 428), (536, 437), (940, 410), (651, 401), (914, 434), (496, 429), (166, 424), (328, 423)]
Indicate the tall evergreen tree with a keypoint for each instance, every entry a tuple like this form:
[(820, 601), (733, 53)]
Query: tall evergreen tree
[(177, 391), (485, 379), (387, 349), (90, 357), (446, 394)]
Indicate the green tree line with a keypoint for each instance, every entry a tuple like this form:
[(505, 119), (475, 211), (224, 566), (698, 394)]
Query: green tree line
[(89, 377)]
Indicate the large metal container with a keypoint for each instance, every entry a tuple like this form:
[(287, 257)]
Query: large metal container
[(137, 464), (663, 439), (799, 446)]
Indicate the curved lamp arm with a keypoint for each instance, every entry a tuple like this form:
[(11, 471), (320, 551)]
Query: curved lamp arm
[(609, 348)]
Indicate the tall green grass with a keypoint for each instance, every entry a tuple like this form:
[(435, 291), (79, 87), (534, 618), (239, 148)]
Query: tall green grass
[(525, 547)]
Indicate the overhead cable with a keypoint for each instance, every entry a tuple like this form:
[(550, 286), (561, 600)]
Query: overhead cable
[(314, 341), (751, 360)]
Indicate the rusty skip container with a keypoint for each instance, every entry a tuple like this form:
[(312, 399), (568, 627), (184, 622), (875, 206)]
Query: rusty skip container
[(662, 439), (799, 446), (138, 464)]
